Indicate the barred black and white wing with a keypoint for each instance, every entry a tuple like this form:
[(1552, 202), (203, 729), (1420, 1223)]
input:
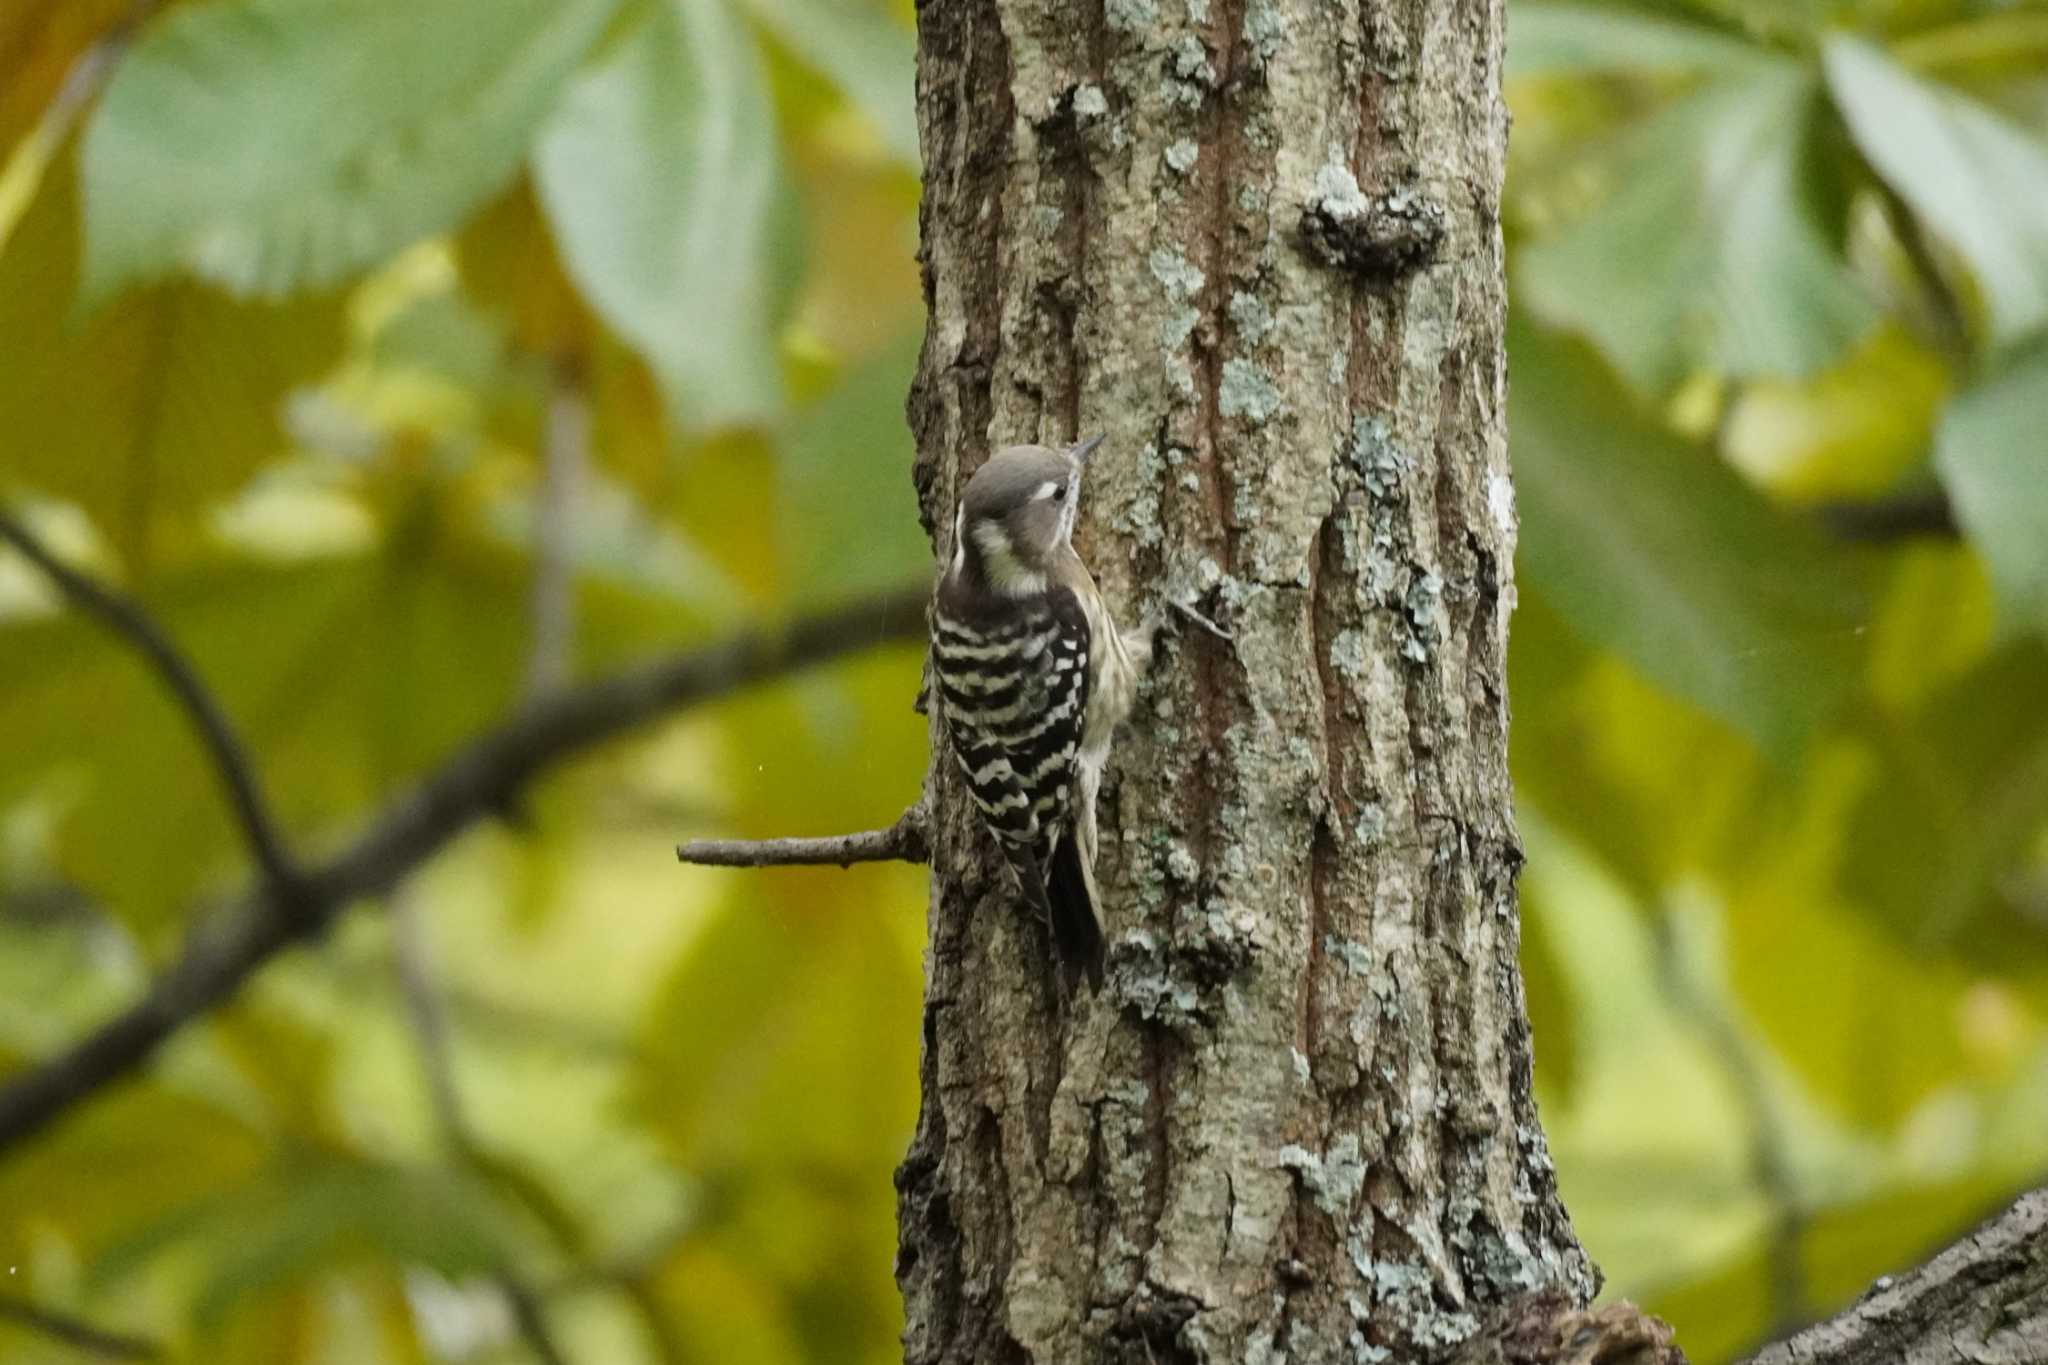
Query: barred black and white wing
[(1014, 694)]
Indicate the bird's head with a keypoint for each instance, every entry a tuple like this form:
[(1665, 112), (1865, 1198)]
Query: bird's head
[(1017, 513)]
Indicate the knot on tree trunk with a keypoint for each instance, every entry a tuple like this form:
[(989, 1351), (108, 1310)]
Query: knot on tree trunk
[(1547, 1328), (1374, 238)]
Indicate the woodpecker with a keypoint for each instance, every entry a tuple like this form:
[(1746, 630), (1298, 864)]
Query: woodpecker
[(1033, 676)]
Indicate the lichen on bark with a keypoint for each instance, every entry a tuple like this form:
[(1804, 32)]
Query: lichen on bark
[(1296, 1124)]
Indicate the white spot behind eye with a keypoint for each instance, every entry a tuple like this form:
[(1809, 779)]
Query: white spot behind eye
[(1046, 489)]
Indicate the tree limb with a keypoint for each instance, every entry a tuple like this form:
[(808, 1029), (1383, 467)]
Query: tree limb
[(429, 1018), (1906, 516), (564, 456), (905, 841), (1984, 1299), (128, 619), (479, 780), (1548, 1328), (1770, 1157), (81, 1336)]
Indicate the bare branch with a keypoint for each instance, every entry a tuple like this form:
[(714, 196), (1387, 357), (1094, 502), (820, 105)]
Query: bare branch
[(1770, 1156), (430, 1031), (132, 623), (1984, 1298), (1907, 516), (903, 842), (565, 453), (81, 1336), (531, 1318), (483, 778)]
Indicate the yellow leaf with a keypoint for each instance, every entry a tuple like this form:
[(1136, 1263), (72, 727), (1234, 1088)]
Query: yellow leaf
[(146, 411)]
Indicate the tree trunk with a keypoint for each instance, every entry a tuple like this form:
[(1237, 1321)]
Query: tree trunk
[(1257, 243)]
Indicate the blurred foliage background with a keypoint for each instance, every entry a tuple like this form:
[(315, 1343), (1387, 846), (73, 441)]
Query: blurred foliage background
[(409, 359)]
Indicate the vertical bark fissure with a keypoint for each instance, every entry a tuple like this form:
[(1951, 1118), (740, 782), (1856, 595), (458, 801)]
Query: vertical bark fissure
[(1295, 1125)]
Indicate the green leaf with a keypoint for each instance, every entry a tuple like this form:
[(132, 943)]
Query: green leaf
[(1713, 252), (1659, 790), (1726, 1314), (344, 679), (1547, 999), (151, 409), (1878, 1032), (313, 1212), (850, 512), (1995, 465), (870, 57), (1574, 40), (115, 1164), (1653, 548), (787, 1036), (1944, 845), (661, 179), (39, 40), (725, 1312), (277, 145), (1966, 170)]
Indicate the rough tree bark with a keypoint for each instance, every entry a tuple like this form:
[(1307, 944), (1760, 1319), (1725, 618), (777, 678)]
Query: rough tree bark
[(1257, 243), (1982, 1301)]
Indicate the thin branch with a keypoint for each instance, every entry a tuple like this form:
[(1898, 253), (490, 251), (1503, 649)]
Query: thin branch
[(532, 1321), (479, 780), (1907, 516), (72, 1332), (1770, 1156), (230, 760), (905, 841), (1949, 320), (429, 1017), (51, 903), (565, 454)]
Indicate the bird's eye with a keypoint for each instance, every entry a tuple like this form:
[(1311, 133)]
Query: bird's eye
[(1059, 492)]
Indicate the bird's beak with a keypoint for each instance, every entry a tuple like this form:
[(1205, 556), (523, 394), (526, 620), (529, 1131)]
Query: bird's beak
[(1081, 450)]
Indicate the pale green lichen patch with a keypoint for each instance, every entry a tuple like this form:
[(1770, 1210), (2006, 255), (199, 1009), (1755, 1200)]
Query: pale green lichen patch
[(1354, 958), (1182, 278), (1406, 1293), (1089, 101), (1333, 1179), (1351, 655), (1264, 29), (1372, 452), (1246, 391), (1425, 609), (1182, 155), (1176, 326), (1336, 190), (1251, 317), (1132, 16)]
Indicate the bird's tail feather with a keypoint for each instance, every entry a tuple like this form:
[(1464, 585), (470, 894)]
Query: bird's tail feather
[(1070, 900)]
